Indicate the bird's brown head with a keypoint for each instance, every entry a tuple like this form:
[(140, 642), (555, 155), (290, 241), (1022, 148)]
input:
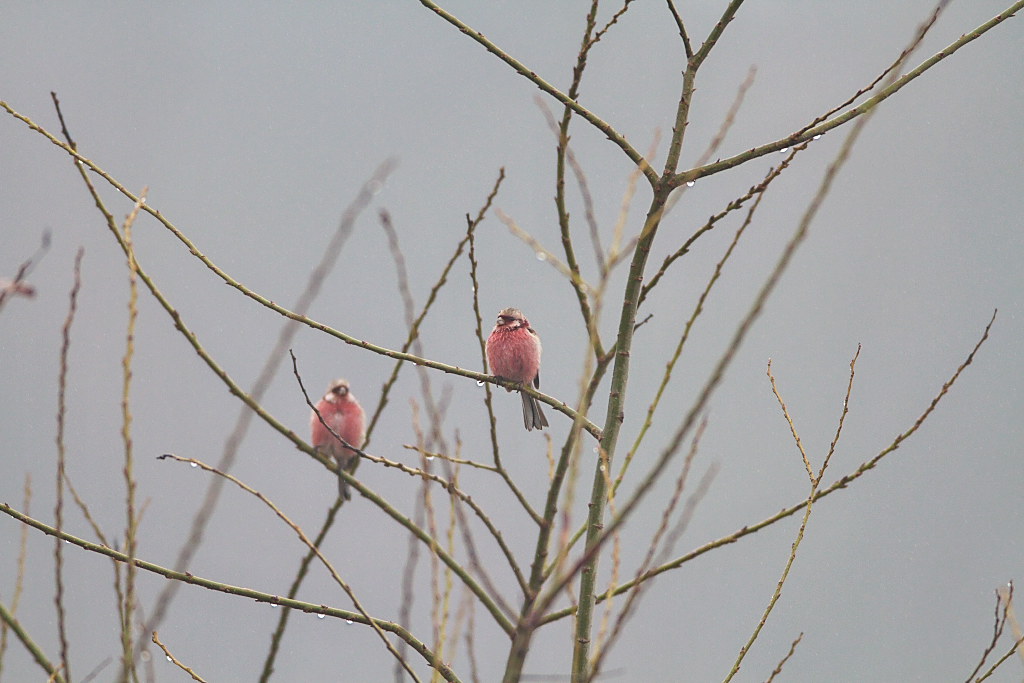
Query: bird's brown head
[(512, 319), (337, 391)]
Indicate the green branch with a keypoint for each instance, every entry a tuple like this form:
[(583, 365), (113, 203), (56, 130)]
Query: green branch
[(37, 654)]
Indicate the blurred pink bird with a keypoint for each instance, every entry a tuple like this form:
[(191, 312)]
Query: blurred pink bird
[(342, 413), (513, 352)]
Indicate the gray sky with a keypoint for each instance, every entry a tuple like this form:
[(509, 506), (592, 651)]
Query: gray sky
[(254, 127)]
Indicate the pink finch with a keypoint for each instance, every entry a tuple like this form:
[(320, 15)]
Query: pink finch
[(513, 352), (342, 413)]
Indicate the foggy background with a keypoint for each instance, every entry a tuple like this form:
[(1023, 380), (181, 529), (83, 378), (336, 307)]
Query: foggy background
[(254, 126)]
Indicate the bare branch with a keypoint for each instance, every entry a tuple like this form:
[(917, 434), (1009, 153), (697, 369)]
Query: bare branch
[(568, 101), (240, 591), (175, 660)]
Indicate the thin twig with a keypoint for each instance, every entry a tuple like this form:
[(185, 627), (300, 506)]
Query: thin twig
[(789, 420), (886, 73), (544, 254), (62, 384), (611, 22), (1016, 647), (1006, 593), (19, 581), (782, 662), (998, 625), (127, 612), (564, 153), (455, 461), (174, 660), (408, 576), (682, 28)]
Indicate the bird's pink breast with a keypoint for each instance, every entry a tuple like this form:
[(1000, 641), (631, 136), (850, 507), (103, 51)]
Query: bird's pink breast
[(344, 417), (514, 355)]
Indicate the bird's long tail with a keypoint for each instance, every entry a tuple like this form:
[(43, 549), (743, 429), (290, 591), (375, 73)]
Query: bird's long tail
[(533, 418), (343, 488), (347, 462)]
